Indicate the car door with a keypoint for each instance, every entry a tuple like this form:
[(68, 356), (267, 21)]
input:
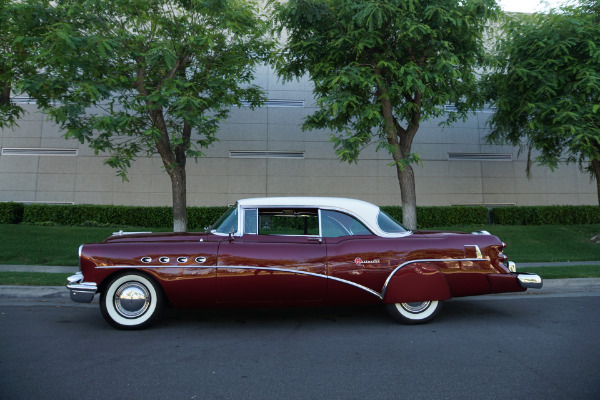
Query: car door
[(279, 258), (359, 262)]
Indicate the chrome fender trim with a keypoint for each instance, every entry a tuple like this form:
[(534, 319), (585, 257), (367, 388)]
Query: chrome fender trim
[(389, 278), (375, 293), (288, 270)]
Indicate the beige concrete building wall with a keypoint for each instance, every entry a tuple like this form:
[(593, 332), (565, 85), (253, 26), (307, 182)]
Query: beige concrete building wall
[(221, 178)]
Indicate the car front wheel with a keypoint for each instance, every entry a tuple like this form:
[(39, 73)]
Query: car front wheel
[(414, 312), (131, 301)]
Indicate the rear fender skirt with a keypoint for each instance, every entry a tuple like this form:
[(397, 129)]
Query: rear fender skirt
[(416, 282)]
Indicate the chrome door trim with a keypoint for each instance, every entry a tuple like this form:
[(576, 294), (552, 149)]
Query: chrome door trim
[(375, 293)]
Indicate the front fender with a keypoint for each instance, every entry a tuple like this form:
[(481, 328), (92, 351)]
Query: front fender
[(416, 282)]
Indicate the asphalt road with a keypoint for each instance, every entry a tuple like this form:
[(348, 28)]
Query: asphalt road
[(521, 347)]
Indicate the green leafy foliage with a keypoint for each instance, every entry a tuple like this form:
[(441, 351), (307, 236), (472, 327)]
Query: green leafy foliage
[(11, 213), (546, 86), (133, 78), (21, 23), (545, 215), (435, 216), (202, 217), (101, 215), (380, 68)]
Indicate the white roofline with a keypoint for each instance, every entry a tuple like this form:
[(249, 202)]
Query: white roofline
[(364, 211)]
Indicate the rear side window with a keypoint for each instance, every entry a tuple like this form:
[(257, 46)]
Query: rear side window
[(293, 221), (389, 224), (337, 224)]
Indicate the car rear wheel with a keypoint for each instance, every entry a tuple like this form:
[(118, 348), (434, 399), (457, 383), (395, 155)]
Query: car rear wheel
[(414, 312), (131, 301)]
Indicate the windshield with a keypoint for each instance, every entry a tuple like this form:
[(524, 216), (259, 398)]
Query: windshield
[(228, 223), (389, 224)]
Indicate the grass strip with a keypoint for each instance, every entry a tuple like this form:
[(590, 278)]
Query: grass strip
[(57, 245), (33, 278), (573, 271)]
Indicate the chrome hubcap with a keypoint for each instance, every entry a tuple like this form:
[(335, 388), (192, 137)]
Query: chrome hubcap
[(132, 299), (416, 307)]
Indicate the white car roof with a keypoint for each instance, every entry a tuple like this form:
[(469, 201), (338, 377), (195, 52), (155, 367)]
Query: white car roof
[(363, 210)]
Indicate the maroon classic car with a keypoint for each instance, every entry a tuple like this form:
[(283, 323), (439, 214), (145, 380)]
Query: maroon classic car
[(293, 251)]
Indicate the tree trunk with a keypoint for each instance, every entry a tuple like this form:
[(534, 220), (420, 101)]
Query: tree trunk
[(408, 194), (174, 160), (173, 157), (5, 93), (179, 189), (596, 168), (400, 141)]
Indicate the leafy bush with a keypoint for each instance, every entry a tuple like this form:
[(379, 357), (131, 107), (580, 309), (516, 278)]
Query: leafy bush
[(428, 217), (201, 217), (11, 213), (545, 215), (106, 215)]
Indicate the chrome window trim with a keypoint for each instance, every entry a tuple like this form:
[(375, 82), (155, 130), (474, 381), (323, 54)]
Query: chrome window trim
[(242, 211), (375, 230)]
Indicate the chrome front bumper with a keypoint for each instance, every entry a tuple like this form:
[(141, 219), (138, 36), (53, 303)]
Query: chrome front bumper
[(81, 292)]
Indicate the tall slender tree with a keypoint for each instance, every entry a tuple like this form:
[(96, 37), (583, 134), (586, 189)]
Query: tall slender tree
[(140, 77), (381, 67), (546, 86)]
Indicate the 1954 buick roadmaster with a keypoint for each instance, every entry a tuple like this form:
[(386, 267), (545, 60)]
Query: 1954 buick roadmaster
[(293, 251)]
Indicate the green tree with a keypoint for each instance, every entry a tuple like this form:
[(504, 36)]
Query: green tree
[(20, 21), (138, 77), (381, 67), (546, 86)]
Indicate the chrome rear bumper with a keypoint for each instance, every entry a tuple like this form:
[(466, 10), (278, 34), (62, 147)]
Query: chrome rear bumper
[(529, 280), (81, 292)]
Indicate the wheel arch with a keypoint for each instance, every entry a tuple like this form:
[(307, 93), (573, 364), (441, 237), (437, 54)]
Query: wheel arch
[(125, 271), (414, 282)]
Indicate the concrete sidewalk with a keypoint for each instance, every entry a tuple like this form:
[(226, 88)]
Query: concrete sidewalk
[(38, 268)]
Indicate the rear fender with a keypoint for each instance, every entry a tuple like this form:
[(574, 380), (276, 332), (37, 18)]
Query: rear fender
[(416, 282)]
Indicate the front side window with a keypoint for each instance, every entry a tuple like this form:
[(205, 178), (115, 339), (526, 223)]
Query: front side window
[(293, 222), (228, 223)]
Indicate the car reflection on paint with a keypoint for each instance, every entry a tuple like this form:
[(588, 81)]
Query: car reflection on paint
[(293, 251)]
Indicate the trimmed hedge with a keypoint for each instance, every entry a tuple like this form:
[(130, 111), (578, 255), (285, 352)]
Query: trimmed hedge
[(545, 215), (201, 217), (428, 217), (85, 214), (11, 213)]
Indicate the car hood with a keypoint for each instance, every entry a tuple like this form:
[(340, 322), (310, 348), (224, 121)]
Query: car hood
[(126, 237)]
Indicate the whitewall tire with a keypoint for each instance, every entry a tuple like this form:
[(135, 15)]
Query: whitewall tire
[(131, 301), (415, 312)]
